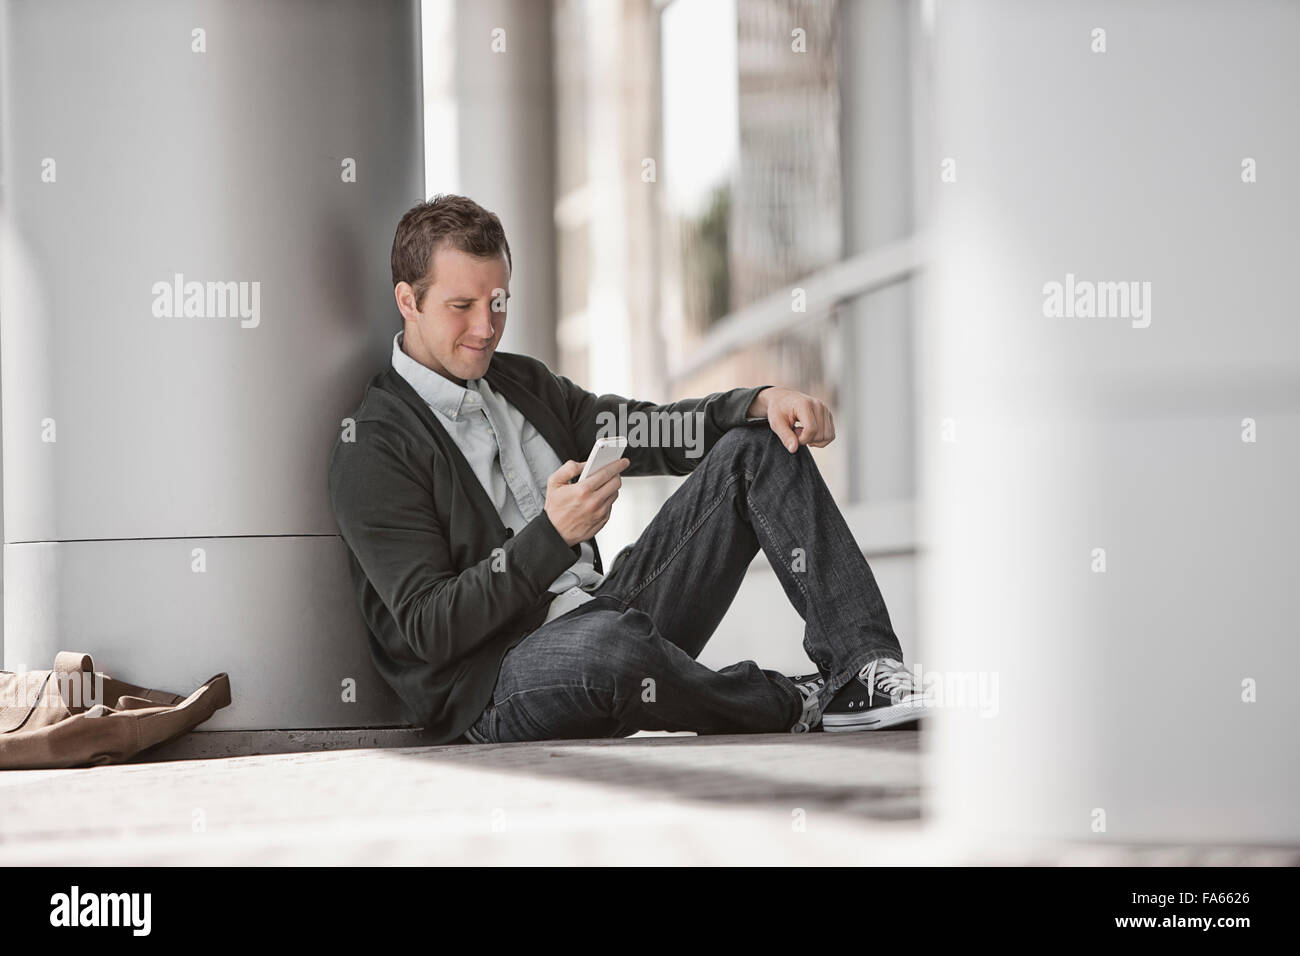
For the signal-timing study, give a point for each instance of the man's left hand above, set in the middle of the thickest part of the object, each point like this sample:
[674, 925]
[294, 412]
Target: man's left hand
[797, 419]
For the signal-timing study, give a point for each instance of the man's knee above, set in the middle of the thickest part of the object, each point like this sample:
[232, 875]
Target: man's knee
[744, 437]
[756, 441]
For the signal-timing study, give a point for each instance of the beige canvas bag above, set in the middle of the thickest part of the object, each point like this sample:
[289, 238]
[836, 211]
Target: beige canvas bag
[73, 716]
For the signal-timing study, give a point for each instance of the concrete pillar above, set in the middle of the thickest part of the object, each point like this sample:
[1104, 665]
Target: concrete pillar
[505, 93]
[876, 175]
[165, 461]
[1110, 497]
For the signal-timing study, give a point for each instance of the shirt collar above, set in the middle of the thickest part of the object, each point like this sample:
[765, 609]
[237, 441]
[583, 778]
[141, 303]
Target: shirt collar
[439, 393]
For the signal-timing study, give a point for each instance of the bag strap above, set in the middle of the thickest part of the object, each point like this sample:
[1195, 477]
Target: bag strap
[73, 662]
[72, 667]
[117, 690]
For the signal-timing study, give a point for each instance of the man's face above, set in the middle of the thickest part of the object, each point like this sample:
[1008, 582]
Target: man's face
[456, 331]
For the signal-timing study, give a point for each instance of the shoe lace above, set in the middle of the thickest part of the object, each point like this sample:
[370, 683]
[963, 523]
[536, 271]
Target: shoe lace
[810, 689]
[811, 686]
[889, 676]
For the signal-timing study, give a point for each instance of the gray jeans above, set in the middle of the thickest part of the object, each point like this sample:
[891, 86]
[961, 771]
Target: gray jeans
[626, 660]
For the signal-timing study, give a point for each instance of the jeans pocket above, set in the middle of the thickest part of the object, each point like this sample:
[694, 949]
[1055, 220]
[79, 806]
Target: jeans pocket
[483, 724]
[618, 558]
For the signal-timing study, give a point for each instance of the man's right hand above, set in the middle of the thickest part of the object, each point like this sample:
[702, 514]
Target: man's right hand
[579, 510]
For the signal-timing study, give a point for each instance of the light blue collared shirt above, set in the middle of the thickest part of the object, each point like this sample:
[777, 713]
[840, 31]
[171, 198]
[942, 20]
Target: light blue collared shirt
[510, 458]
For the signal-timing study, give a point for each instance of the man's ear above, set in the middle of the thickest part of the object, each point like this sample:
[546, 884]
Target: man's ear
[404, 294]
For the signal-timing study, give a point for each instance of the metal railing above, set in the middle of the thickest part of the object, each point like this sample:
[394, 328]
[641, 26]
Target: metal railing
[823, 290]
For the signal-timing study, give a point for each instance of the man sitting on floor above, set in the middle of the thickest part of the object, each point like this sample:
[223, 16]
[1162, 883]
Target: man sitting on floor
[473, 554]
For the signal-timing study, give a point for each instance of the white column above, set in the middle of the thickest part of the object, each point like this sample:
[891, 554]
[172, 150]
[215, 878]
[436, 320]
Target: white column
[1102, 541]
[506, 114]
[165, 462]
[876, 141]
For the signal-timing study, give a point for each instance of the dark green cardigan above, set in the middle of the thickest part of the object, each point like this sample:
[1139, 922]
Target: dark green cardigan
[421, 530]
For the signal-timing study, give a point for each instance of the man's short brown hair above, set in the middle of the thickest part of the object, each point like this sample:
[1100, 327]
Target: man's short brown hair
[456, 221]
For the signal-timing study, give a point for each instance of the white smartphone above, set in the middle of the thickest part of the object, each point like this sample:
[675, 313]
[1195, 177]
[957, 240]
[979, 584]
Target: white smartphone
[604, 452]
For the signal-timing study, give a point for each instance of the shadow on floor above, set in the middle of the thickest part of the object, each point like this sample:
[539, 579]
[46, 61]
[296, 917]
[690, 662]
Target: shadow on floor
[870, 775]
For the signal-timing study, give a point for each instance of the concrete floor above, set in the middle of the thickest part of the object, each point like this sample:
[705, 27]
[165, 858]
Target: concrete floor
[779, 799]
